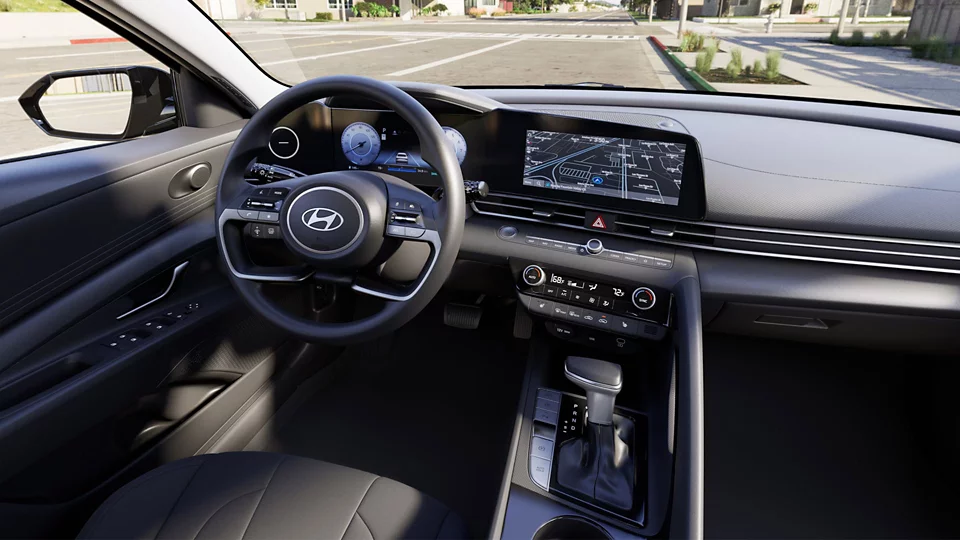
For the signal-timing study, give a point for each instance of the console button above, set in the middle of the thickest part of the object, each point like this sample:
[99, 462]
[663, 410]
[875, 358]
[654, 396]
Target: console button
[631, 258]
[542, 307]
[542, 431]
[563, 293]
[575, 313]
[591, 300]
[549, 290]
[541, 448]
[547, 405]
[604, 320]
[540, 472]
[560, 310]
[589, 317]
[549, 395]
[547, 417]
[605, 304]
[623, 325]
[507, 231]
[578, 296]
[594, 246]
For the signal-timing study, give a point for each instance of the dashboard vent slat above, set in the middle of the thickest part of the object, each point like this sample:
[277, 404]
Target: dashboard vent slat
[829, 247]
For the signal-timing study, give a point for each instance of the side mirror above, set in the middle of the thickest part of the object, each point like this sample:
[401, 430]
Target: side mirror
[102, 104]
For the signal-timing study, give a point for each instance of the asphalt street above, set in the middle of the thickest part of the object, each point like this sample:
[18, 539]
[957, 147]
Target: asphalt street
[605, 47]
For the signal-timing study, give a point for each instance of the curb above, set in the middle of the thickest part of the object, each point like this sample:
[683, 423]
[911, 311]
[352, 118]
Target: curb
[88, 41]
[691, 76]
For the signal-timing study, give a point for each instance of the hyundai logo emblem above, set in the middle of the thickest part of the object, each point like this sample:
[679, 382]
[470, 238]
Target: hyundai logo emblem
[322, 219]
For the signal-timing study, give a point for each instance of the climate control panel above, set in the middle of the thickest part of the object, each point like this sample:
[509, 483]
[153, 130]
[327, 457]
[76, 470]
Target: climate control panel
[618, 308]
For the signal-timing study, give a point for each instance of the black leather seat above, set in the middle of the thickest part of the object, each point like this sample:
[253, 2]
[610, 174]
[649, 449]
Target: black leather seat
[249, 495]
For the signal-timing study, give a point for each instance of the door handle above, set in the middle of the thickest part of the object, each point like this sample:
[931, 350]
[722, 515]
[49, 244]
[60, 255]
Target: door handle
[173, 280]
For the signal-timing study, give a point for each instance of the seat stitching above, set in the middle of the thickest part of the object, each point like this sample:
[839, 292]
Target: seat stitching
[116, 497]
[262, 494]
[222, 506]
[175, 503]
[364, 524]
[442, 522]
[357, 510]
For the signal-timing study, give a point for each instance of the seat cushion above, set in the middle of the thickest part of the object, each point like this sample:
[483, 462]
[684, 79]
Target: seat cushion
[252, 495]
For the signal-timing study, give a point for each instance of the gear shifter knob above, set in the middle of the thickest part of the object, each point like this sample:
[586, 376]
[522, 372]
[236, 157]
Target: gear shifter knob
[601, 381]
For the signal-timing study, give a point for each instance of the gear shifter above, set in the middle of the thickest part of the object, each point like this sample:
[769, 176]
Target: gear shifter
[600, 464]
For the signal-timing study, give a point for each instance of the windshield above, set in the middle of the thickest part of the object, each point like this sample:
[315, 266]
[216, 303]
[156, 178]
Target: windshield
[798, 49]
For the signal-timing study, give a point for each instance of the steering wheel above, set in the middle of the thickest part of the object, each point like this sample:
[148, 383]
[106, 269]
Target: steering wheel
[340, 225]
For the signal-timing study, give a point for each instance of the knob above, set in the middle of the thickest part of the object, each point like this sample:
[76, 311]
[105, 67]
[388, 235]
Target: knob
[594, 246]
[644, 298]
[533, 275]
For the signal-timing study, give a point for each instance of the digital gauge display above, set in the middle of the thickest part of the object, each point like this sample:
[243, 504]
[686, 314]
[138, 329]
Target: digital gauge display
[384, 142]
[360, 143]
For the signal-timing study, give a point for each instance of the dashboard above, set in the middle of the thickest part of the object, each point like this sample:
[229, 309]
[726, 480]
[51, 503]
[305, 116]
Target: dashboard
[539, 156]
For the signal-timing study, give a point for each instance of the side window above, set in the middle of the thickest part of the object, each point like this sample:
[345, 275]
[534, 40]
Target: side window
[67, 82]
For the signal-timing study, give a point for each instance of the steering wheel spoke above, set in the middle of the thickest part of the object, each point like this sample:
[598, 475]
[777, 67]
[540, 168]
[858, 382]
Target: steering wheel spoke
[397, 293]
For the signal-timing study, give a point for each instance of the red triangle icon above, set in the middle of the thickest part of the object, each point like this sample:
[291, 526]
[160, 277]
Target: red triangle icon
[598, 223]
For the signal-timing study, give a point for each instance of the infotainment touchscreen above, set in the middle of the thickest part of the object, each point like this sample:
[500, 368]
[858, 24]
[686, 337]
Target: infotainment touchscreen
[633, 169]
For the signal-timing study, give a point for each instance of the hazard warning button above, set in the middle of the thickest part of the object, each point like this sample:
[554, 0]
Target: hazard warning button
[601, 221]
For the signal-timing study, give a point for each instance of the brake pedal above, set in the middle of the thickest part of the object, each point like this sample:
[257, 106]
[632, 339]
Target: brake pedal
[464, 316]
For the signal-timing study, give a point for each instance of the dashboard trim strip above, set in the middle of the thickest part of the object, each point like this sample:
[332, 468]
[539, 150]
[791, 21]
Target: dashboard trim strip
[740, 251]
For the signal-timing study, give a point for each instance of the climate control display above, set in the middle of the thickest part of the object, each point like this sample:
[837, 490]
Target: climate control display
[605, 305]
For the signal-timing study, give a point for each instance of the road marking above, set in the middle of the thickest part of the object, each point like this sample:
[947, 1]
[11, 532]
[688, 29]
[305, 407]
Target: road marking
[478, 35]
[328, 55]
[591, 19]
[258, 51]
[121, 51]
[450, 59]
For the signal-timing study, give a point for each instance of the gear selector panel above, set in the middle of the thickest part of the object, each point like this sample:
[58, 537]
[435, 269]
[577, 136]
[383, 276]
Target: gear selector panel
[560, 420]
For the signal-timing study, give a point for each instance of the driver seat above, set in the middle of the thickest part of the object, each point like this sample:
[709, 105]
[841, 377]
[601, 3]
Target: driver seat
[250, 495]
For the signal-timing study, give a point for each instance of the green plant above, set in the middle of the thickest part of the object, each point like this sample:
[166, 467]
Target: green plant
[498, 13]
[691, 42]
[476, 13]
[757, 67]
[938, 49]
[323, 16]
[573, 9]
[426, 11]
[772, 69]
[747, 71]
[883, 36]
[6, 5]
[439, 8]
[735, 65]
[808, 8]
[856, 38]
[900, 37]
[704, 60]
[834, 37]
[773, 8]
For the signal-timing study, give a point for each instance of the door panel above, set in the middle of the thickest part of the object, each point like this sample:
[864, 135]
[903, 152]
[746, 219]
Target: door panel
[107, 204]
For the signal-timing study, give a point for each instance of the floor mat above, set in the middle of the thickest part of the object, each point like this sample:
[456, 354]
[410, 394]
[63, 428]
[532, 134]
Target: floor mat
[432, 407]
[806, 441]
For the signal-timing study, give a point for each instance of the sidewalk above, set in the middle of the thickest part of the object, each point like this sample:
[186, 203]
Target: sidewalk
[873, 74]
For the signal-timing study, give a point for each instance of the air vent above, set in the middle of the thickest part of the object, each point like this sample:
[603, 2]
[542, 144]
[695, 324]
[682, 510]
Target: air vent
[568, 215]
[901, 253]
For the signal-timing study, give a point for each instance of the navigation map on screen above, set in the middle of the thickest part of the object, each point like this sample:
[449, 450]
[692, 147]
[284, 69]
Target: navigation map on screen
[648, 171]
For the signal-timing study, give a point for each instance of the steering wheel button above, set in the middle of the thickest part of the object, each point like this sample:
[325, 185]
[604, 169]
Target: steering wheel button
[413, 232]
[249, 214]
[396, 230]
[269, 216]
[397, 204]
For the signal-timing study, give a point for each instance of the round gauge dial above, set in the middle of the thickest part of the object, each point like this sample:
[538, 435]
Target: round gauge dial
[284, 142]
[459, 143]
[360, 143]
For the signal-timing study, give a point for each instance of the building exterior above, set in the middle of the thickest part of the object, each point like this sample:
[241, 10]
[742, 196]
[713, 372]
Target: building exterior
[825, 8]
[936, 18]
[300, 10]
